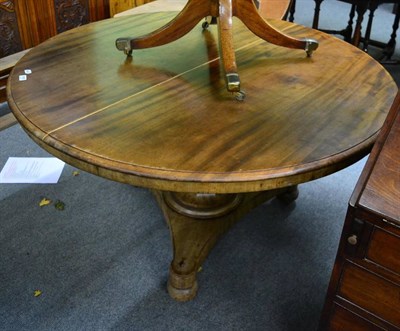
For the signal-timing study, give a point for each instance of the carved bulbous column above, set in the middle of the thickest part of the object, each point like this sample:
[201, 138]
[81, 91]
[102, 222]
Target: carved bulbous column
[196, 222]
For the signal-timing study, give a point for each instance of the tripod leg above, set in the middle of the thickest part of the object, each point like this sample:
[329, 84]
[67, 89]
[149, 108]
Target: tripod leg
[186, 20]
[248, 14]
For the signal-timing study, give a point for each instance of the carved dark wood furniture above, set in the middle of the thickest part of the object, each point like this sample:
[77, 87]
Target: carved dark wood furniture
[364, 292]
[26, 23]
[353, 35]
[164, 120]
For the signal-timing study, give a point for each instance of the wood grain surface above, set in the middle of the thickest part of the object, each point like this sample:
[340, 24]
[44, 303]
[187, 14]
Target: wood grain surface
[381, 194]
[164, 120]
[267, 8]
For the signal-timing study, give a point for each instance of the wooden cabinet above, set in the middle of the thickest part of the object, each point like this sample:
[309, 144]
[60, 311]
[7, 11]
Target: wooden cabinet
[364, 291]
[26, 23]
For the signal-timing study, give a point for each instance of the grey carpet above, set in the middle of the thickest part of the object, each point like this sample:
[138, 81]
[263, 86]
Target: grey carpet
[102, 262]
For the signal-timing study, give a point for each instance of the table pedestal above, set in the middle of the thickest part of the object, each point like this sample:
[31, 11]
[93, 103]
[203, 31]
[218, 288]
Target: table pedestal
[197, 221]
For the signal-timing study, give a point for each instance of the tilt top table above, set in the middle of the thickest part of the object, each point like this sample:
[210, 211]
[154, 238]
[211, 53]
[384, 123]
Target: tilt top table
[164, 120]
[222, 12]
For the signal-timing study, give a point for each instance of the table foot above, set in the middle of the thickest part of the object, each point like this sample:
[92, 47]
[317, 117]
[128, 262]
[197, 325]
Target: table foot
[196, 222]
[182, 287]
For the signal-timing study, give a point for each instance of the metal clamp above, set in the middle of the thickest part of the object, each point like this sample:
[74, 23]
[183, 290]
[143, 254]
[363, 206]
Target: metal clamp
[311, 46]
[124, 44]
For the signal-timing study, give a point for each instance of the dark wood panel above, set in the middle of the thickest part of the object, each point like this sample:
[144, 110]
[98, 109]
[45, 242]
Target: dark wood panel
[99, 10]
[71, 13]
[42, 20]
[371, 292]
[9, 30]
[26, 23]
[384, 249]
[344, 320]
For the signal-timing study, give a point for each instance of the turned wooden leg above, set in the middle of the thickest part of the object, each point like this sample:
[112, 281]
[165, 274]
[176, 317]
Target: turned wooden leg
[360, 9]
[184, 22]
[349, 29]
[248, 14]
[372, 9]
[391, 45]
[292, 11]
[212, 53]
[226, 46]
[196, 221]
[317, 10]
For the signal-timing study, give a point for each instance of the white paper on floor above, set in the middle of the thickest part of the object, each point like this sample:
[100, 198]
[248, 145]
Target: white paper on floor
[37, 170]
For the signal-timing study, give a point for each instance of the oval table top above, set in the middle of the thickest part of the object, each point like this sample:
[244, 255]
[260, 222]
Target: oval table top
[164, 120]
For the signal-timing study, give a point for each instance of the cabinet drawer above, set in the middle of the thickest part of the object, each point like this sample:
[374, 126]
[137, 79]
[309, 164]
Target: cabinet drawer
[342, 319]
[384, 250]
[371, 292]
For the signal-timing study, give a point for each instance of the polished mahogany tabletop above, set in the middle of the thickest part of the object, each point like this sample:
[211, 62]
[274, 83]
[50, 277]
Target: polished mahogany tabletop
[163, 119]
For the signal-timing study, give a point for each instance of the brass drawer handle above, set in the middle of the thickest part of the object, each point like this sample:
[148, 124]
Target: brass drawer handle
[352, 240]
